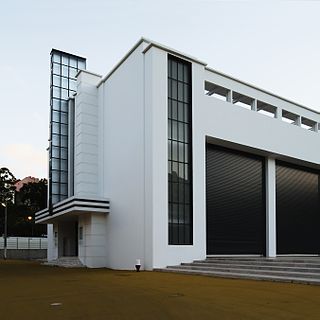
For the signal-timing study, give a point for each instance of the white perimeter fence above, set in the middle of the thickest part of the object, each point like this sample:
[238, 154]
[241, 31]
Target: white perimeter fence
[24, 243]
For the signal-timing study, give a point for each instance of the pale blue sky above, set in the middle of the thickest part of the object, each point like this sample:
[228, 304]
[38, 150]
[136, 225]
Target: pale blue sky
[272, 44]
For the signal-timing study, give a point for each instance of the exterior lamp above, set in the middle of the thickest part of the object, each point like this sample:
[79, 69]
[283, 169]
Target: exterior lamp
[29, 218]
[138, 265]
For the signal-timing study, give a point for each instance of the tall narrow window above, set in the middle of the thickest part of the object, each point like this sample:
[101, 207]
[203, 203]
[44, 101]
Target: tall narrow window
[179, 151]
[64, 67]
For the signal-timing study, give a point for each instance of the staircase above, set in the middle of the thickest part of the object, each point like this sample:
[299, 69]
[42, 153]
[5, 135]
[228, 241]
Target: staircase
[283, 269]
[65, 262]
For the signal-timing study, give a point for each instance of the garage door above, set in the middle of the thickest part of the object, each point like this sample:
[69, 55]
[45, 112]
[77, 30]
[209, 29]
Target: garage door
[298, 210]
[235, 192]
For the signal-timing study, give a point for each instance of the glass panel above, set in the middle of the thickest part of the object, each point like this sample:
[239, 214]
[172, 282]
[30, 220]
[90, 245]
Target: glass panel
[64, 83]
[55, 140]
[56, 92]
[65, 72]
[73, 72]
[55, 164]
[56, 81]
[64, 105]
[56, 104]
[72, 84]
[55, 188]
[63, 177]
[64, 153]
[64, 189]
[56, 69]
[81, 64]
[64, 129]
[64, 141]
[55, 127]
[179, 153]
[64, 94]
[63, 164]
[64, 117]
[65, 60]
[56, 116]
[55, 176]
[56, 57]
[55, 152]
[73, 62]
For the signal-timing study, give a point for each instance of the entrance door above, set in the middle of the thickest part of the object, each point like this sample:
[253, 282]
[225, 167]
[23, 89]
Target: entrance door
[235, 191]
[298, 210]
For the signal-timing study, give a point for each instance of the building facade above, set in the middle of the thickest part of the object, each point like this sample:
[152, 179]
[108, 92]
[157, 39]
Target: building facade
[171, 161]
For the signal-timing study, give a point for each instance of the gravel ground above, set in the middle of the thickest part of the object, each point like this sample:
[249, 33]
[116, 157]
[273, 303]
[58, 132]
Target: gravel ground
[29, 290]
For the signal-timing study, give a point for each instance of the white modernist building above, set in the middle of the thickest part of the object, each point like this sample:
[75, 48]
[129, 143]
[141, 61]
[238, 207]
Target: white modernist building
[167, 161]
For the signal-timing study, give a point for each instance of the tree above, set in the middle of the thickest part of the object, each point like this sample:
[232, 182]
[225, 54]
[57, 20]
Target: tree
[7, 187]
[34, 195]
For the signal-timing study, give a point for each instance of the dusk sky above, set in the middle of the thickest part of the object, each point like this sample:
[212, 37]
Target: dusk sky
[271, 44]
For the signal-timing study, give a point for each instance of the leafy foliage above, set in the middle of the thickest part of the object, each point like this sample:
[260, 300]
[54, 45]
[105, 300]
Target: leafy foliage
[7, 188]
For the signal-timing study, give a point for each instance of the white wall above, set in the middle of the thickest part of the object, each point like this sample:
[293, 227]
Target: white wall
[92, 248]
[122, 118]
[50, 250]
[226, 123]
[86, 157]
[157, 154]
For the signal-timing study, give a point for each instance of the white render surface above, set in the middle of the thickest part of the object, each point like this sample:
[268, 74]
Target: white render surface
[121, 154]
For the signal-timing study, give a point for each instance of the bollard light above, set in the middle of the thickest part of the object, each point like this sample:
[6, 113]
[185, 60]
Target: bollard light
[138, 265]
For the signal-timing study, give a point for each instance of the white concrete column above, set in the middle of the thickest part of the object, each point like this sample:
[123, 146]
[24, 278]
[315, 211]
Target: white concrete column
[279, 113]
[298, 121]
[271, 243]
[230, 96]
[254, 105]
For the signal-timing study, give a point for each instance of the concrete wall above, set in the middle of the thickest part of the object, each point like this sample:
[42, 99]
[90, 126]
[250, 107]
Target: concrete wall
[123, 161]
[86, 142]
[92, 248]
[24, 254]
[223, 123]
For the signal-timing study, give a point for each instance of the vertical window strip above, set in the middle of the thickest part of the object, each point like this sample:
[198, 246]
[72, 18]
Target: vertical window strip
[179, 152]
[59, 92]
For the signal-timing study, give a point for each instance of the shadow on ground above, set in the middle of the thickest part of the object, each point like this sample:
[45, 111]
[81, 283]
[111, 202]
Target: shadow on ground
[29, 290]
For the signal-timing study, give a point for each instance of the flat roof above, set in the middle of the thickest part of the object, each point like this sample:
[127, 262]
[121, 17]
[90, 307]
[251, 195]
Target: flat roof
[53, 50]
[151, 43]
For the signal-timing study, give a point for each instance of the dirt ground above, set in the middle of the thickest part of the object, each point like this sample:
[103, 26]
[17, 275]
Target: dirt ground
[29, 290]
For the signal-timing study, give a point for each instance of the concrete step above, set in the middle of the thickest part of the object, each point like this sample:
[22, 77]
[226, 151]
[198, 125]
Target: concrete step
[248, 276]
[288, 269]
[291, 274]
[309, 261]
[276, 267]
[65, 262]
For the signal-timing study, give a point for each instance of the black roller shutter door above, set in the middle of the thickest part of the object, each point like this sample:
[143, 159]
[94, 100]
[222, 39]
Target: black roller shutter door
[235, 192]
[298, 210]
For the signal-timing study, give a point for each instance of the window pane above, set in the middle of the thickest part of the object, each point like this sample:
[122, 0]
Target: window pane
[64, 83]
[56, 92]
[56, 81]
[64, 106]
[73, 63]
[73, 72]
[65, 72]
[56, 116]
[64, 94]
[64, 153]
[81, 64]
[65, 60]
[73, 85]
[64, 117]
[56, 57]
[56, 104]
[56, 69]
